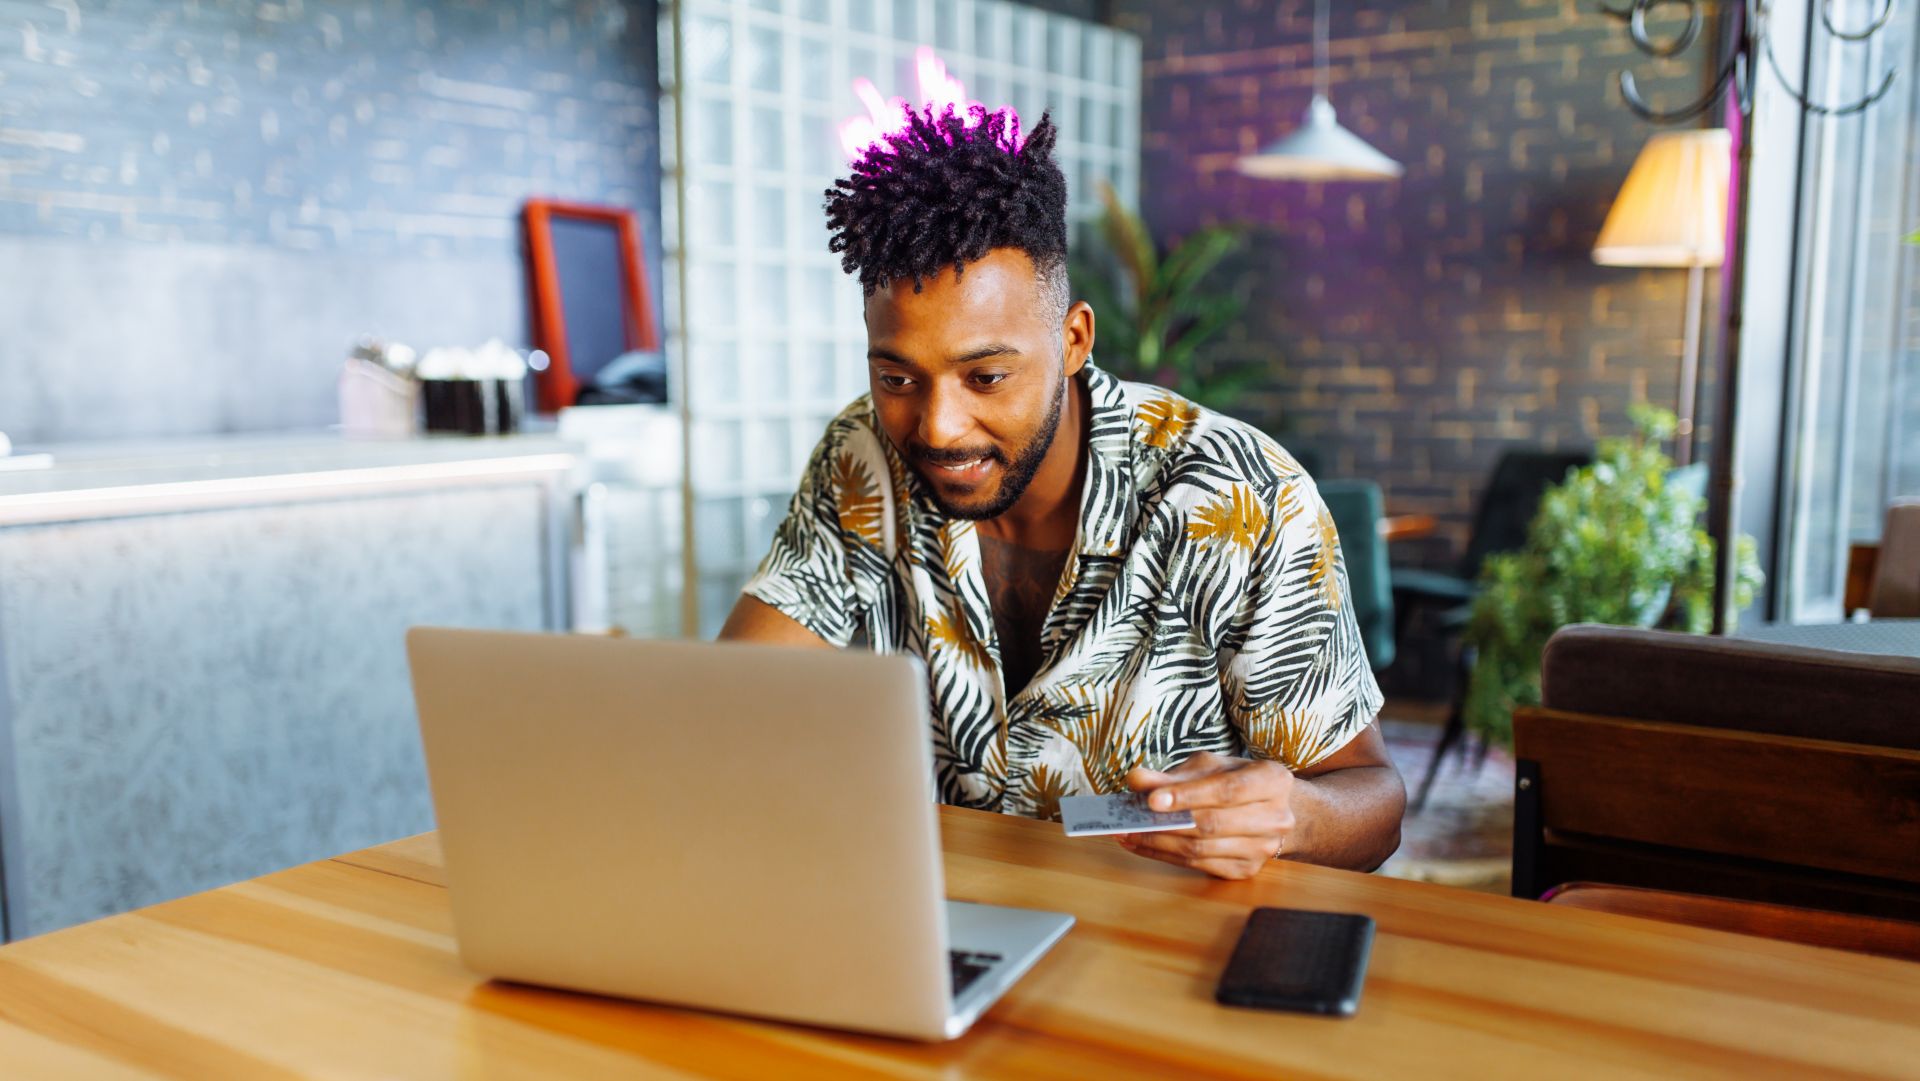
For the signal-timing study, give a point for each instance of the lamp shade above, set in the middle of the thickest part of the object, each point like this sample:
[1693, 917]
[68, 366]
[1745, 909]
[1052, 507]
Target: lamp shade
[1672, 210]
[1320, 149]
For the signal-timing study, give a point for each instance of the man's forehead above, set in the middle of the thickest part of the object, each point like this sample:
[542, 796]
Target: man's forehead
[1001, 286]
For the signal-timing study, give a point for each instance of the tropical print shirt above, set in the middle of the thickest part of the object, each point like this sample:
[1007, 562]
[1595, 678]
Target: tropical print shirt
[1203, 607]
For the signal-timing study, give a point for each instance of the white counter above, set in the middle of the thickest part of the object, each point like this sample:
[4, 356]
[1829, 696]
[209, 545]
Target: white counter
[108, 479]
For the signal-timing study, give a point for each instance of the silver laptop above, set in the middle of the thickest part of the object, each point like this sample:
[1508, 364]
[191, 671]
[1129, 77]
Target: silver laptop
[723, 826]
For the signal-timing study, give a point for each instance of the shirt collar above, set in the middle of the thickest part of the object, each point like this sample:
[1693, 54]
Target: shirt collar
[1107, 501]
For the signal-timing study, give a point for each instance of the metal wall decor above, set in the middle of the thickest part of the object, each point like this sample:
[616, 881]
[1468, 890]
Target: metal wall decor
[1739, 66]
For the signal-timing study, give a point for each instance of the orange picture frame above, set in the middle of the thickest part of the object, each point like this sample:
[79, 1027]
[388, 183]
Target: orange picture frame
[558, 385]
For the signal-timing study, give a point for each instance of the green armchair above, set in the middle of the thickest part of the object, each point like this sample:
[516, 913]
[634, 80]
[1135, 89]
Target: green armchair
[1357, 508]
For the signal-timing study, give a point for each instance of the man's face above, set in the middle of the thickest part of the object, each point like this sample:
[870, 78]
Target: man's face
[968, 379]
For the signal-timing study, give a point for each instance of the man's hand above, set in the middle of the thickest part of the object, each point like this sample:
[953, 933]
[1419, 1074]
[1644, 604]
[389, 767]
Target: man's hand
[1242, 813]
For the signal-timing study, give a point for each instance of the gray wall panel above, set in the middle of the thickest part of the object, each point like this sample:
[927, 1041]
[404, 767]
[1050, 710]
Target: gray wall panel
[200, 698]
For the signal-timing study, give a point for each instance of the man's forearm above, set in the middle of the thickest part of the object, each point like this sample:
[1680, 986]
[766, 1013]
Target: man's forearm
[1347, 817]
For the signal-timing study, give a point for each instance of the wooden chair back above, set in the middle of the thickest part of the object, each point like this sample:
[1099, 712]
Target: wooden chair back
[1896, 570]
[1771, 818]
[1862, 561]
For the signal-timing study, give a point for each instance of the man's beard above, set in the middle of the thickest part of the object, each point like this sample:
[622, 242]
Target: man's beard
[1019, 473]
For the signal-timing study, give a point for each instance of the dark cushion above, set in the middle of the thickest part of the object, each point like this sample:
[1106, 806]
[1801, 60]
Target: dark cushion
[1733, 683]
[1437, 586]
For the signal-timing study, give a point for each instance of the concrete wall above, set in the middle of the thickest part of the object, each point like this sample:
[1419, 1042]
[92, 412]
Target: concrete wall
[203, 203]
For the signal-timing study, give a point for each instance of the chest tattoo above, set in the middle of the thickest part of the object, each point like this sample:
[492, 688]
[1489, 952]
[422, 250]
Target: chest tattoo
[1021, 583]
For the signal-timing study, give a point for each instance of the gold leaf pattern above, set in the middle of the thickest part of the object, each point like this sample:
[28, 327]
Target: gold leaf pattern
[858, 499]
[1291, 737]
[995, 763]
[1283, 463]
[1069, 577]
[945, 631]
[1110, 739]
[1287, 506]
[1163, 418]
[1045, 788]
[1234, 518]
[953, 555]
[1325, 560]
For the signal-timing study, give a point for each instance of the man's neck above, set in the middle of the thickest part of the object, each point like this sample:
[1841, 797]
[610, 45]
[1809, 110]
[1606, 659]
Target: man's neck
[1047, 514]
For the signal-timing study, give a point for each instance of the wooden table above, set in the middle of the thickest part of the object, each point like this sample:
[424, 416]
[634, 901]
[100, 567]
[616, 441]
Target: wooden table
[345, 969]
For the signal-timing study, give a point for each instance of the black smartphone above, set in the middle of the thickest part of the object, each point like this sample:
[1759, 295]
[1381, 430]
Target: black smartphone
[1304, 962]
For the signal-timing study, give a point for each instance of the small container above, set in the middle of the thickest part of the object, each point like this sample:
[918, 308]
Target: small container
[474, 406]
[377, 401]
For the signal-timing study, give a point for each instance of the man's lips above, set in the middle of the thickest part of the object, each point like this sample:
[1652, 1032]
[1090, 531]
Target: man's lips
[966, 472]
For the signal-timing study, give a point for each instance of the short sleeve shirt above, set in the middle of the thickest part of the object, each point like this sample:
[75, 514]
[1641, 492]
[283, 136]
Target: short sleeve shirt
[1203, 607]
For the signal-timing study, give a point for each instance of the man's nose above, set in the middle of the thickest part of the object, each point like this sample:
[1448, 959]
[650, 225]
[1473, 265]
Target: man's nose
[945, 420]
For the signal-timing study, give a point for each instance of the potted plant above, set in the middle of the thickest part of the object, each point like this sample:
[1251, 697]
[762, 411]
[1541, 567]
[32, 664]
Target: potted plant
[1616, 542]
[1156, 310]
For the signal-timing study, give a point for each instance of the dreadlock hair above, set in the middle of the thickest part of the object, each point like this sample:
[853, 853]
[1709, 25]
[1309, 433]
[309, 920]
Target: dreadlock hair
[945, 190]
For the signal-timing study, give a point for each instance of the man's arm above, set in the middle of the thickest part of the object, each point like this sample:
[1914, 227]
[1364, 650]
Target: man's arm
[1348, 806]
[754, 620]
[1343, 811]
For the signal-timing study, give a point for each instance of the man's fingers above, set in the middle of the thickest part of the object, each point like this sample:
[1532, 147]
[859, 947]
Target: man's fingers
[1140, 777]
[1192, 846]
[1199, 765]
[1227, 867]
[1155, 854]
[1234, 870]
[1244, 820]
[1225, 788]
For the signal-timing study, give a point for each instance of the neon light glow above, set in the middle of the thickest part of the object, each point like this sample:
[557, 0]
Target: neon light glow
[939, 92]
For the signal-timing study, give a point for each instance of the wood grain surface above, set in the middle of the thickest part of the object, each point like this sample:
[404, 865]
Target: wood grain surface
[346, 968]
[1837, 930]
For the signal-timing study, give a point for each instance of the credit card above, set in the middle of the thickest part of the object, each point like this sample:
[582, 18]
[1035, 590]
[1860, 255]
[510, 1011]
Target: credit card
[1122, 812]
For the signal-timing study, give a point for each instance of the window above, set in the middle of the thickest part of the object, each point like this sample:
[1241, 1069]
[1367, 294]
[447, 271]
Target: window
[1853, 415]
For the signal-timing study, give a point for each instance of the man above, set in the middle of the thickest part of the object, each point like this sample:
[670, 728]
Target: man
[1112, 588]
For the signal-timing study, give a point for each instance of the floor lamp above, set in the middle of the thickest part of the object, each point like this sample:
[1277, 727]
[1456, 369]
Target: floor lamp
[1672, 212]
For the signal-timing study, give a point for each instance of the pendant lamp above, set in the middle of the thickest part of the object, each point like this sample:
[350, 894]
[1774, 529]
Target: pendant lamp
[1320, 149]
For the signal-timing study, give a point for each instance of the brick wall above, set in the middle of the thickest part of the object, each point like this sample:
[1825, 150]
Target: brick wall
[1415, 328]
[204, 202]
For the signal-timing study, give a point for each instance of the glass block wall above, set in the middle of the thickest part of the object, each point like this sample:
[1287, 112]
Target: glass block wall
[765, 325]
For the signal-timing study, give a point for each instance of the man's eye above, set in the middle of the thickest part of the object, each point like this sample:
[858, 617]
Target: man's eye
[987, 379]
[895, 382]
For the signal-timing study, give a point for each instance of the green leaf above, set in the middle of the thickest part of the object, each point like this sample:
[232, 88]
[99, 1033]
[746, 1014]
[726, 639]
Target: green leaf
[1616, 542]
[1192, 260]
[1214, 316]
[1132, 246]
[1222, 390]
[1155, 317]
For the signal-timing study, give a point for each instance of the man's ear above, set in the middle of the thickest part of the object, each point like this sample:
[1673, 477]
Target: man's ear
[1077, 333]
